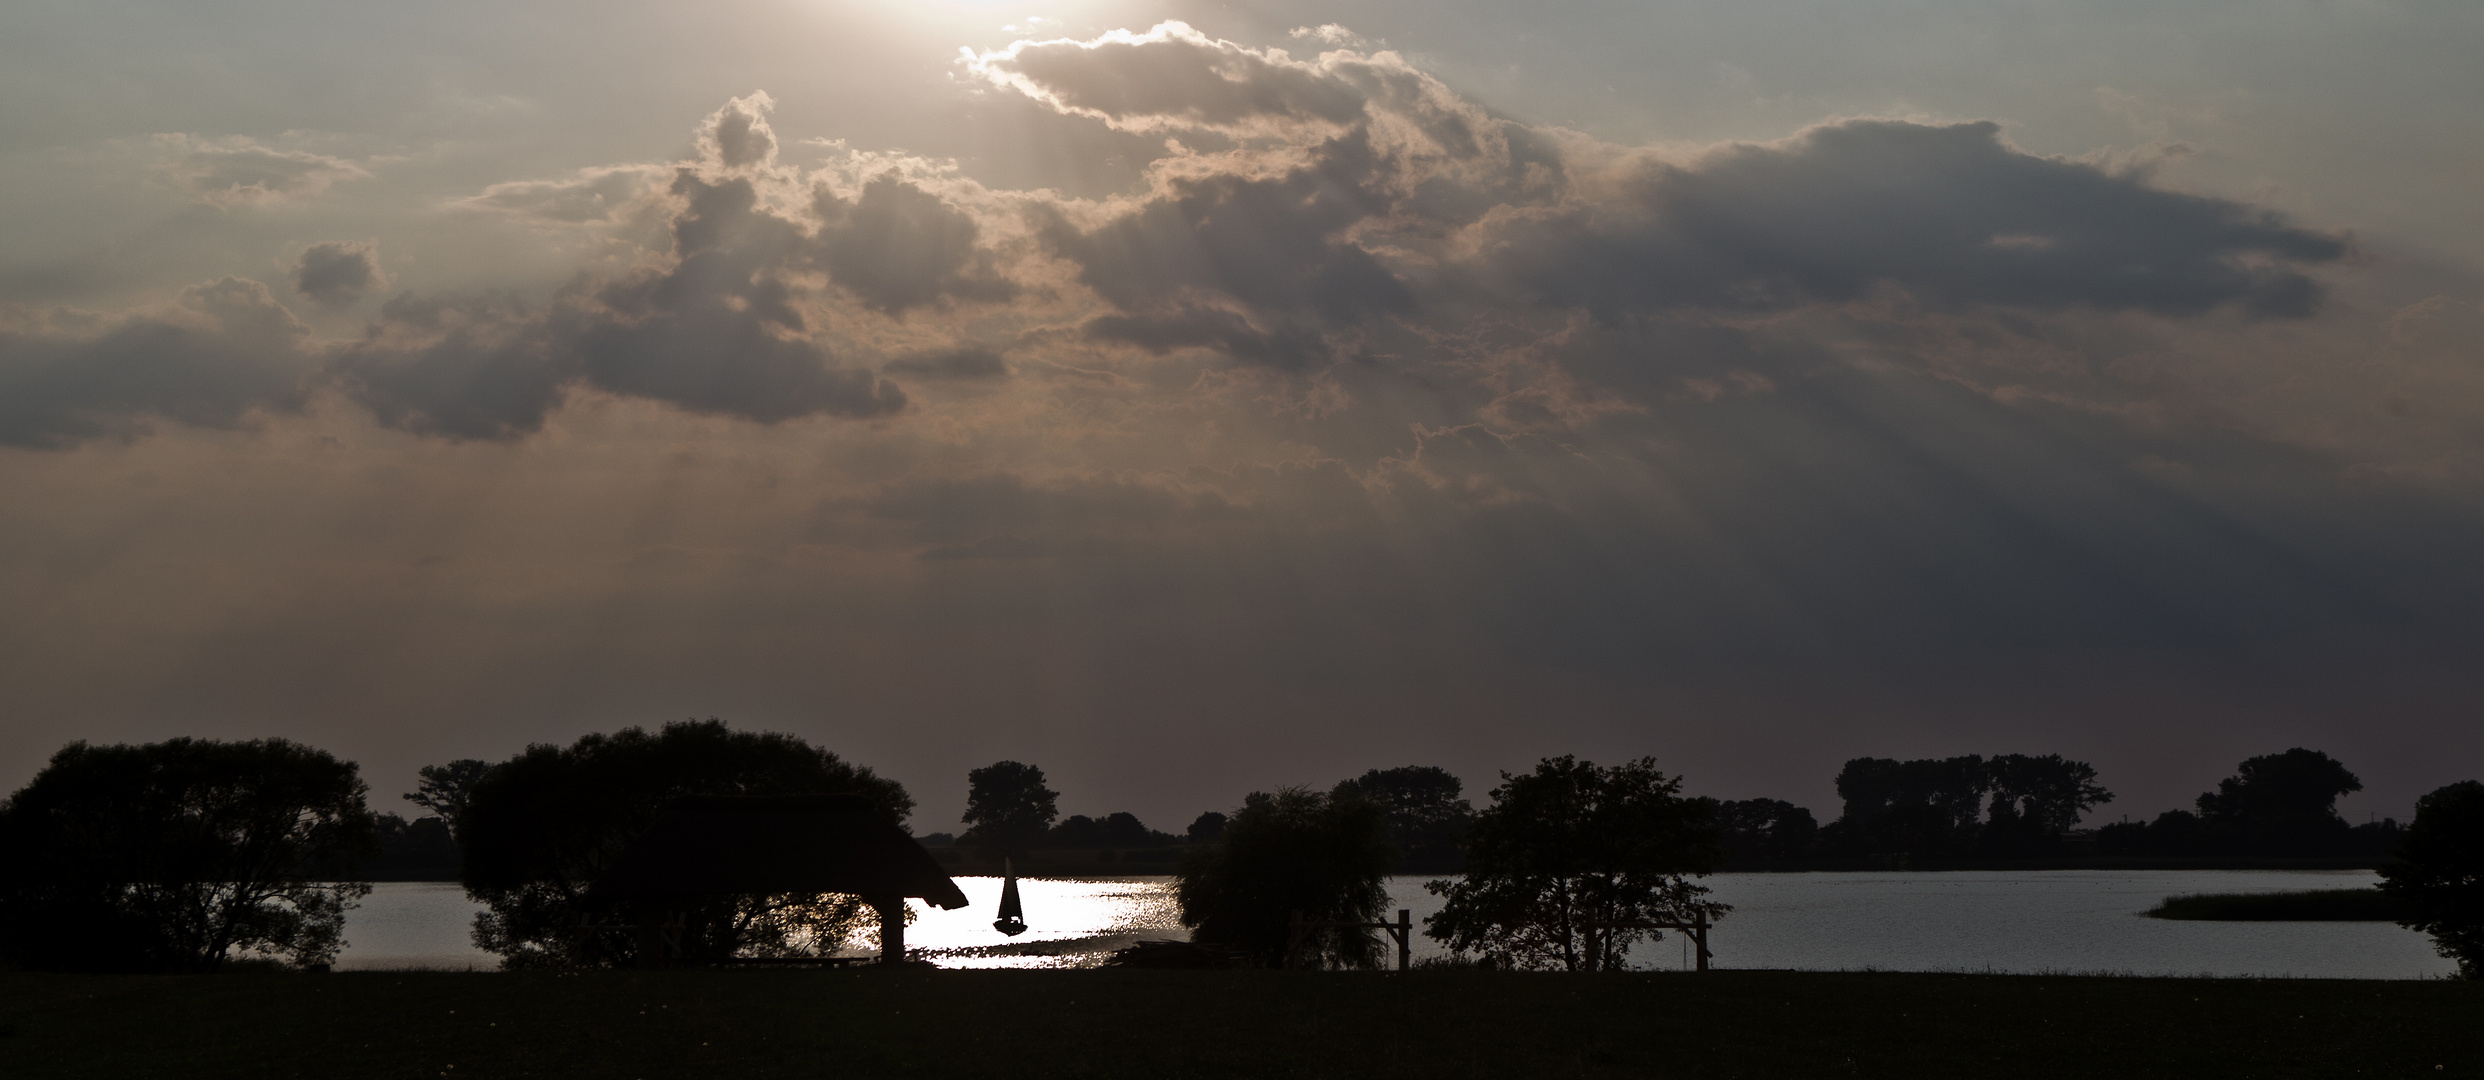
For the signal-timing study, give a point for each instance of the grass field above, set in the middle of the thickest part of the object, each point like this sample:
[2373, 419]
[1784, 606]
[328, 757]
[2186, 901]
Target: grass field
[1165, 1025]
[2321, 905]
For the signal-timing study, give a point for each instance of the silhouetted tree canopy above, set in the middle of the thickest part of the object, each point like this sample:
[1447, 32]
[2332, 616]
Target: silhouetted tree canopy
[179, 855]
[1960, 807]
[538, 829]
[2274, 806]
[1427, 816]
[1120, 830]
[1008, 809]
[1325, 856]
[1206, 828]
[1765, 830]
[2281, 803]
[2440, 873]
[417, 850]
[442, 789]
[1566, 852]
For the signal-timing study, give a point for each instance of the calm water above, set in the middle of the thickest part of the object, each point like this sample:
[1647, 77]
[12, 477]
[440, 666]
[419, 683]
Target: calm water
[2071, 920]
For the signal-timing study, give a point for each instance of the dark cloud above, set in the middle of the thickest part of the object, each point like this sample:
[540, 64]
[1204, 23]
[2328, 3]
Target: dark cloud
[1949, 214]
[897, 246]
[338, 273]
[228, 350]
[738, 136]
[718, 331]
[472, 368]
[966, 363]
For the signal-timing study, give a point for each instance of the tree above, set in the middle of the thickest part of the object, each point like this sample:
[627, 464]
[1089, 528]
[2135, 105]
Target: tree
[1928, 807]
[1427, 816]
[417, 850]
[1008, 808]
[2440, 873]
[2035, 800]
[1325, 857]
[1206, 828]
[538, 829]
[1765, 830]
[2280, 804]
[443, 788]
[179, 855]
[1948, 808]
[1566, 853]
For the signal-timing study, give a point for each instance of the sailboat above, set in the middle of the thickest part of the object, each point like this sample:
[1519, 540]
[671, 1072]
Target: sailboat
[1012, 919]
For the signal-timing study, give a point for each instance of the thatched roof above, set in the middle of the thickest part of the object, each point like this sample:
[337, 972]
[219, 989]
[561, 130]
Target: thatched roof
[705, 845]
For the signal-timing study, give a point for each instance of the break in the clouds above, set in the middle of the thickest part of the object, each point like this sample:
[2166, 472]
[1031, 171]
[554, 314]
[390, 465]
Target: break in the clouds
[1362, 400]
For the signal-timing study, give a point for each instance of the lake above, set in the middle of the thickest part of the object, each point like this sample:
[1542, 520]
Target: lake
[2050, 921]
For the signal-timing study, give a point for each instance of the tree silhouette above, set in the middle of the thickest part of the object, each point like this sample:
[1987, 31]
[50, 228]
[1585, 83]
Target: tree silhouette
[443, 788]
[1297, 851]
[2440, 873]
[539, 827]
[1570, 851]
[178, 855]
[1770, 830]
[1008, 808]
[1427, 816]
[1206, 828]
[2280, 804]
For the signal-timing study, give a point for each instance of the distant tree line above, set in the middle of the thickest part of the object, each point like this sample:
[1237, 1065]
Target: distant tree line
[1963, 810]
[1011, 813]
[192, 854]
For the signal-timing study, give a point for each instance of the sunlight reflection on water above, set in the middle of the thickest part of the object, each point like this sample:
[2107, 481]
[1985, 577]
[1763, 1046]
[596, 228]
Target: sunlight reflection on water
[1071, 922]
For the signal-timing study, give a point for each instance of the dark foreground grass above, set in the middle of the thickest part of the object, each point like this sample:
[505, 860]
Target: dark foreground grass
[1174, 1024]
[2320, 905]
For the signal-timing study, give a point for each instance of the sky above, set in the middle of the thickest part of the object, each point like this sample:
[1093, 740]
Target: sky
[1196, 398]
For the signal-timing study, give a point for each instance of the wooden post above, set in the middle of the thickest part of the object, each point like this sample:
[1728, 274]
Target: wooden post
[1405, 938]
[892, 911]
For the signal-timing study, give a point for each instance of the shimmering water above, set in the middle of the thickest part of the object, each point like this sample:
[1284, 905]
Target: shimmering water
[2075, 921]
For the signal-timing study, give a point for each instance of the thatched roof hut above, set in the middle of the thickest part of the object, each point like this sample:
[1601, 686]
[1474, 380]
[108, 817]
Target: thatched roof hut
[711, 845]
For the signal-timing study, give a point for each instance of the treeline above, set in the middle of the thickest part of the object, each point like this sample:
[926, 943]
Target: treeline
[187, 854]
[2015, 808]
[1012, 813]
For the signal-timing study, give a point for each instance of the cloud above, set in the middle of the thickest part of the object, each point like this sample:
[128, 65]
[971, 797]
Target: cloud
[338, 273]
[1949, 214]
[1172, 77]
[897, 246]
[601, 194]
[1327, 34]
[737, 136]
[482, 367]
[970, 363]
[719, 330]
[226, 350]
[240, 172]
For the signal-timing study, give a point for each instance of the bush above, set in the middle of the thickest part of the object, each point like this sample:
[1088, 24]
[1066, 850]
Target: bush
[1297, 851]
[178, 855]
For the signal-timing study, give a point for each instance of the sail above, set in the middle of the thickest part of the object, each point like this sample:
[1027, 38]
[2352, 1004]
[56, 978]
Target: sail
[1012, 919]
